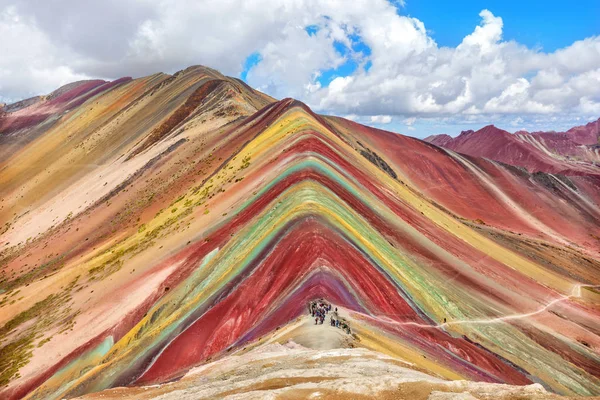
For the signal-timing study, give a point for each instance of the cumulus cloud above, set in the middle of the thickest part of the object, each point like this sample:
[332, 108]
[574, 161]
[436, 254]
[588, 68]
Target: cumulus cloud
[30, 63]
[381, 119]
[483, 75]
[400, 73]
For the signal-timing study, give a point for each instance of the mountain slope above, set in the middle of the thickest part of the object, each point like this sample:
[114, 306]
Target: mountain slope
[183, 218]
[574, 152]
[586, 134]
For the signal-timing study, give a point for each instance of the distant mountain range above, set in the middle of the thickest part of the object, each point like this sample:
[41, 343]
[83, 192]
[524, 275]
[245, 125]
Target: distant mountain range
[576, 151]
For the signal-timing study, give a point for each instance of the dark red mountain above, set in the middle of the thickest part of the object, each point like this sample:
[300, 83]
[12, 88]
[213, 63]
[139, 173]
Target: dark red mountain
[573, 152]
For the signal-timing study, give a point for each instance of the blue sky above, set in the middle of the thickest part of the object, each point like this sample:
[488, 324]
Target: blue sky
[550, 24]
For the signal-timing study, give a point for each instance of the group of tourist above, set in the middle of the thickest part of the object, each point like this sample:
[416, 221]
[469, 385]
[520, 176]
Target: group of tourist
[319, 309]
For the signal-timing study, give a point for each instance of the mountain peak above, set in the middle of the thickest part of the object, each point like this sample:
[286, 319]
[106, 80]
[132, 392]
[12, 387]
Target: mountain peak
[438, 140]
[492, 130]
[466, 132]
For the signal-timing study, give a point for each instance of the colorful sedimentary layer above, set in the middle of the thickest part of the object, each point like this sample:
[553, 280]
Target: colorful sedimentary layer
[575, 152]
[171, 220]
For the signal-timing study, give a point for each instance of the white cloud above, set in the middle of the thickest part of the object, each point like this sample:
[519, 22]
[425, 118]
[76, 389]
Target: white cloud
[547, 79]
[381, 119]
[485, 36]
[483, 79]
[30, 63]
[517, 121]
[482, 76]
[516, 97]
[588, 106]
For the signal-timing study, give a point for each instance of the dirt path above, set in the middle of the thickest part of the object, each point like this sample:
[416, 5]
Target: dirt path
[320, 337]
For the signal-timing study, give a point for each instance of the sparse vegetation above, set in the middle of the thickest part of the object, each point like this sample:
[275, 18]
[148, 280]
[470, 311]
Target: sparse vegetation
[52, 312]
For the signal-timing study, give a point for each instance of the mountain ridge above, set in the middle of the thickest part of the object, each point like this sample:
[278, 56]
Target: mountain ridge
[572, 152]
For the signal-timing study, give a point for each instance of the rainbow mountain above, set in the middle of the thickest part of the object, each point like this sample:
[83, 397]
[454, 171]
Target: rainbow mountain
[159, 229]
